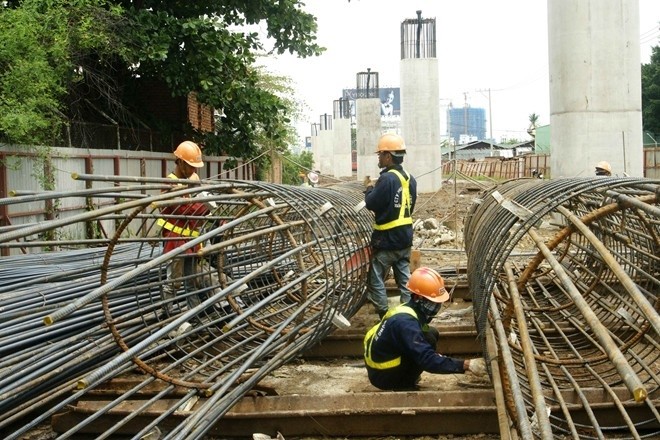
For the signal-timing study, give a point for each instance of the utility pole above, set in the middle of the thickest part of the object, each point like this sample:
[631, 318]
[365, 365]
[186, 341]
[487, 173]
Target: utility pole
[465, 115]
[490, 123]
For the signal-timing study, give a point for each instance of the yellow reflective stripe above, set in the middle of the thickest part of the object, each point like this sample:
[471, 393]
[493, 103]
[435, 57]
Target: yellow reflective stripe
[406, 203]
[400, 309]
[369, 338]
[186, 232]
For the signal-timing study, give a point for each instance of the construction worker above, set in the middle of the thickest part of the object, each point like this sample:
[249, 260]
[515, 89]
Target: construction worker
[311, 179]
[392, 201]
[178, 229]
[402, 345]
[603, 168]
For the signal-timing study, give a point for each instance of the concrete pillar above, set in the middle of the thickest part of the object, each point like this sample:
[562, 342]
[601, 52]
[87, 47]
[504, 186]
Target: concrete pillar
[316, 152]
[367, 114]
[595, 87]
[420, 122]
[326, 156]
[342, 160]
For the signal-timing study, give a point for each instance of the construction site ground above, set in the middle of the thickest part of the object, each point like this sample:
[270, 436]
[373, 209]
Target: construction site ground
[449, 206]
[325, 378]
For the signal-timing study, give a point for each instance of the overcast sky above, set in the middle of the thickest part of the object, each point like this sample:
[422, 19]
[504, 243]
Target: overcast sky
[481, 45]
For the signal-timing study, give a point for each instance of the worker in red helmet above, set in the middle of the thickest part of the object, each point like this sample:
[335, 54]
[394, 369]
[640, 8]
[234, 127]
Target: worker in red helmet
[402, 345]
[180, 224]
[392, 200]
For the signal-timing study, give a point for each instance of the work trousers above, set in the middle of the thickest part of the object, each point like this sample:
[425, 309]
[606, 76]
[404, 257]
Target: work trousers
[381, 263]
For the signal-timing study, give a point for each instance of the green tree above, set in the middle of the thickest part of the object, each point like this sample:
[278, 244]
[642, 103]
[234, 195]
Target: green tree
[38, 58]
[295, 165]
[651, 92]
[203, 46]
[512, 141]
[533, 123]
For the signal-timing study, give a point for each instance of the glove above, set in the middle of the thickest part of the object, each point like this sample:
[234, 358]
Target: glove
[477, 366]
[211, 205]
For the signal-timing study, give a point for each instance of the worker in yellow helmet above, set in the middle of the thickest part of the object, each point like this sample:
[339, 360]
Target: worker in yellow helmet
[603, 168]
[403, 345]
[180, 224]
[392, 200]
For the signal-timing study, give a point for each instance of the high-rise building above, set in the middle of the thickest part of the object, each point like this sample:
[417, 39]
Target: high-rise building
[466, 122]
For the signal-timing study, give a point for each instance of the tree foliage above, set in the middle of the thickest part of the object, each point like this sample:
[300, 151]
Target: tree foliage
[41, 44]
[295, 166]
[94, 52]
[651, 92]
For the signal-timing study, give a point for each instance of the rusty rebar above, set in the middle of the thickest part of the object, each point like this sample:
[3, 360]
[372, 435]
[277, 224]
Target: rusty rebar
[583, 309]
[275, 269]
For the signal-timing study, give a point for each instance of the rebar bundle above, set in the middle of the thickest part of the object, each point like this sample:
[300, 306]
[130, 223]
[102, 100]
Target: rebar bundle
[576, 326]
[254, 274]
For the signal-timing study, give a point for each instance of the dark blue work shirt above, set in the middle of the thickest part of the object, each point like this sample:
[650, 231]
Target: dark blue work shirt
[381, 199]
[401, 336]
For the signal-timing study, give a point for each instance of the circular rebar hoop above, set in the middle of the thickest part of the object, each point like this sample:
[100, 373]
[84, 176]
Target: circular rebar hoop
[581, 317]
[264, 250]
[270, 272]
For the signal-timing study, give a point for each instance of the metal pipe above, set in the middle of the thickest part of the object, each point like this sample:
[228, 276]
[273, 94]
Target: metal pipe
[642, 302]
[589, 294]
[530, 361]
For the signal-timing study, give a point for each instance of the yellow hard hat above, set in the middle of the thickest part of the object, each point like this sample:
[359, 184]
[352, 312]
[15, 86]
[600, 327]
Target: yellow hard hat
[604, 166]
[190, 153]
[392, 143]
[428, 283]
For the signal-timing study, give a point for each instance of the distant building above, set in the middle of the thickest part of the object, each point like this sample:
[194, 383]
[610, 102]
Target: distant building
[466, 121]
[476, 150]
[522, 148]
[542, 140]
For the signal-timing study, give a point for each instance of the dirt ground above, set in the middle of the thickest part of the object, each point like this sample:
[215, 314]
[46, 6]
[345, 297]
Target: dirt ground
[449, 206]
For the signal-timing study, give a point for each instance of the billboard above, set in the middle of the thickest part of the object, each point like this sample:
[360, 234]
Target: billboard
[390, 101]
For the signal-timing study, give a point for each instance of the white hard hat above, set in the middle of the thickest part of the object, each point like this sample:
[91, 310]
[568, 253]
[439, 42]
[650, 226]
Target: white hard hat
[313, 177]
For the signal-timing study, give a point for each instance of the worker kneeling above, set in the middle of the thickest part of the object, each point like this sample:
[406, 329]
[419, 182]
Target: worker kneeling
[402, 345]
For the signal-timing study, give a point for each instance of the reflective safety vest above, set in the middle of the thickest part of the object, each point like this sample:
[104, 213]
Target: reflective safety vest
[369, 339]
[184, 232]
[406, 203]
